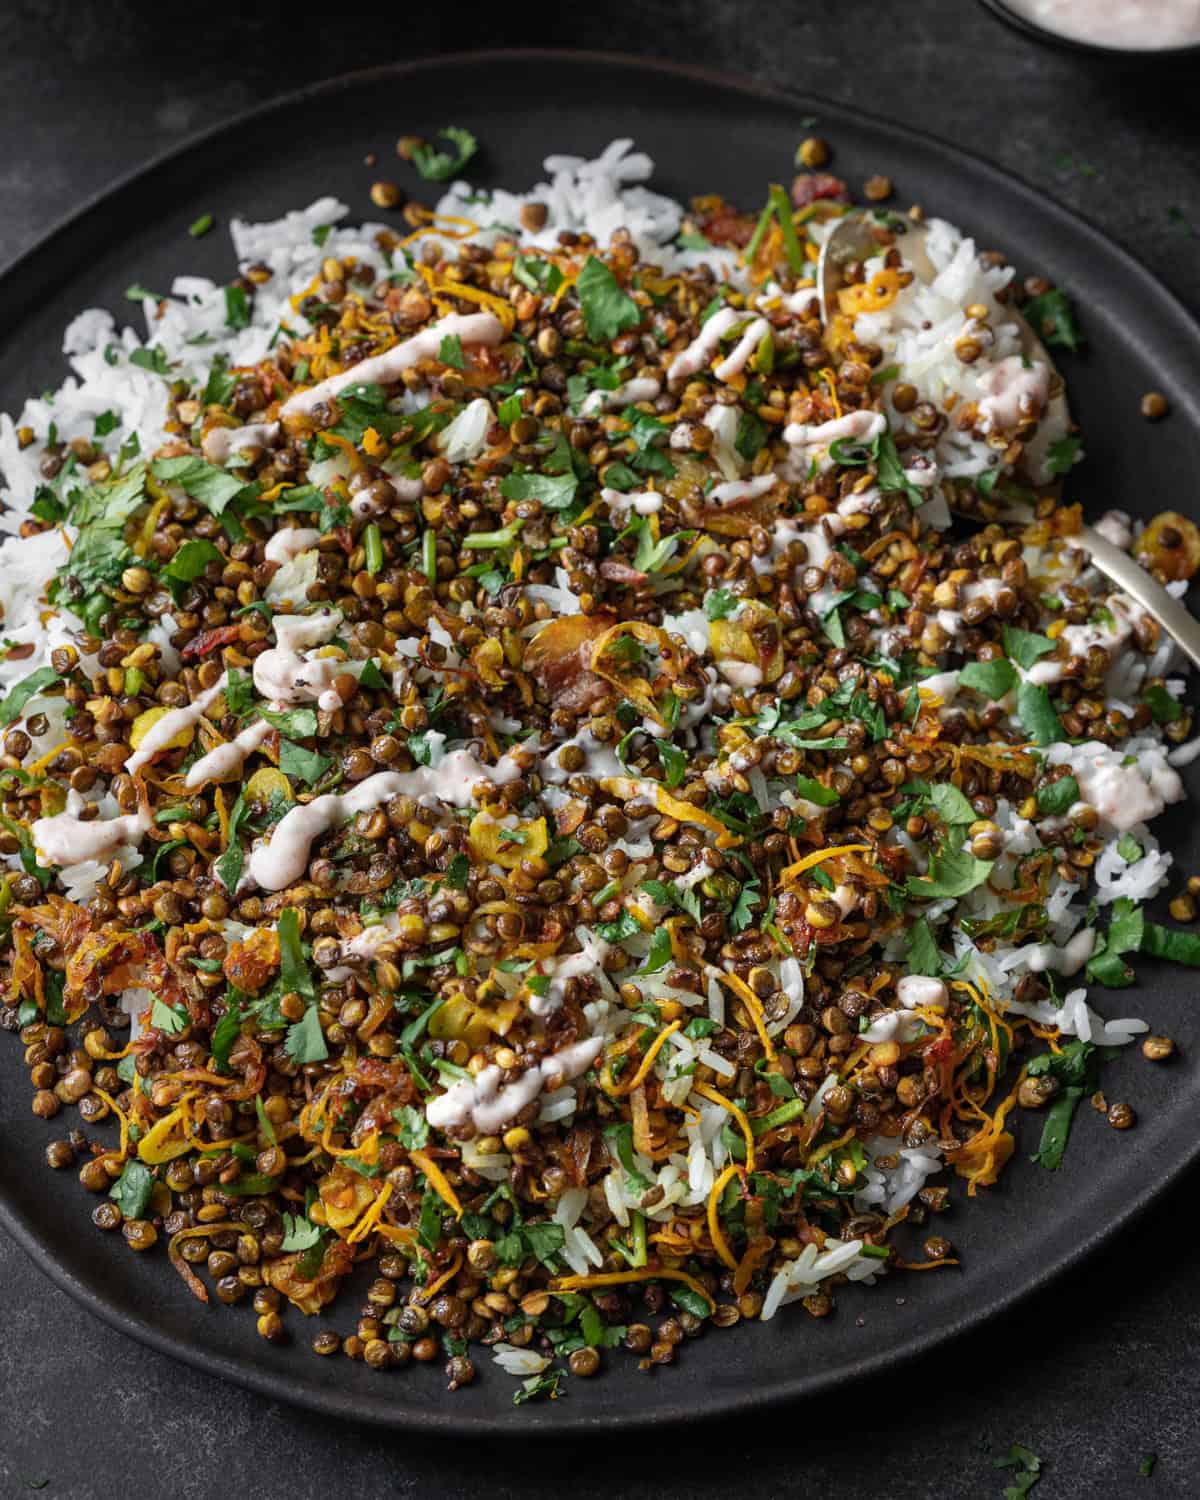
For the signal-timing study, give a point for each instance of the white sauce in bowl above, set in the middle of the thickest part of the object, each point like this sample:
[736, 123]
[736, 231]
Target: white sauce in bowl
[1130, 25]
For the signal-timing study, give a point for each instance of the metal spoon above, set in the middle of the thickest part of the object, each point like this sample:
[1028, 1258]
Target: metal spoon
[852, 240]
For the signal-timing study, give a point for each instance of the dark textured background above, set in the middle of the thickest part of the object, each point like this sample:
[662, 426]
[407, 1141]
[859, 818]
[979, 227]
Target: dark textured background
[1093, 1375]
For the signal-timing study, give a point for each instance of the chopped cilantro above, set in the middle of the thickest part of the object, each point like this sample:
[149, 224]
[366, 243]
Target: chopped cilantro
[1053, 319]
[131, 1191]
[719, 604]
[204, 482]
[1036, 713]
[607, 308]
[991, 678]
[29, 687]
[441, 166]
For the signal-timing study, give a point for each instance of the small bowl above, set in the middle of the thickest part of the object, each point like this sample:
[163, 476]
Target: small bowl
[1128, 55]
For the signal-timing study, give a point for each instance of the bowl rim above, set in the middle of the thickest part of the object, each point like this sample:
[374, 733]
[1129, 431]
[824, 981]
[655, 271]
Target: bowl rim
[1036, 32]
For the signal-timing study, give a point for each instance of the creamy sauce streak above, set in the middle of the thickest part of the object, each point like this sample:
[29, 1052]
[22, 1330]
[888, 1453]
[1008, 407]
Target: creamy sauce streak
[388, 367]
[66, 840]
[226, 761]
[861, 426]
[284, 675]
[485, 1104]
[283, 860]
[743, 489]
[735, 362]
[641, 388]
[571, 966]
[221, 442]
[645, 502]
[695, 357]
[174, 722]
[1014, 394]
[1121, 794]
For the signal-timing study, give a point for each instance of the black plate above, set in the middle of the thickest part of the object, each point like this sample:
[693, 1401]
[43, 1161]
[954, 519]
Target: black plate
[707, 133]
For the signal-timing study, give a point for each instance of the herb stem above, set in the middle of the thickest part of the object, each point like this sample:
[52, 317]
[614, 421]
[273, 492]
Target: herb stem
[373, 544]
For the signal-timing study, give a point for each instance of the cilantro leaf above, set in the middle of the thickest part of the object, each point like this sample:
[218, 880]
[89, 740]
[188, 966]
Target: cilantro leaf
[20, 694]
[1126, 930]
[1056, 797]
[308, 765]
[131, 1191]
[293, 970]
[1027, 1466]
[950, 804]
[556, 492]
[951, 873]
[1036, 713]
[537, 275]
[299, 1232]
[441, 166]
[414, 1128]
[1165, 708]
[607, 308]
[1062, 456]
[659, 955]
[991, 678]
[450, 352]
[1024, 646]
[816, 792]
[674, 763]
[204, 482]
[719, 604]
[305, 1041]
[923, 955]
[1166, 942]
[1057, 1130]
[1052, 318]
[192, 559]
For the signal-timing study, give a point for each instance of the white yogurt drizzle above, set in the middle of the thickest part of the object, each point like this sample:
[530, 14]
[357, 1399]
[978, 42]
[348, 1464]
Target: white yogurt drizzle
[284, 675]
[735, 362]
[65, 839]
[220, 442]
[695, 357]
[743, 489]
[1015, 394]
[569, 966]
[1122, 795]
[640, 388]
[226, 761]
[388, 367]
[482, 1101]
[174, 722]
[862, 426]
[284, 545]
[645, 502]
[283, 860]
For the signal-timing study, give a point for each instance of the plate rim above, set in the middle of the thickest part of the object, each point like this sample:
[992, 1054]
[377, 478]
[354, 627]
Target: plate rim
[442, 1419]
